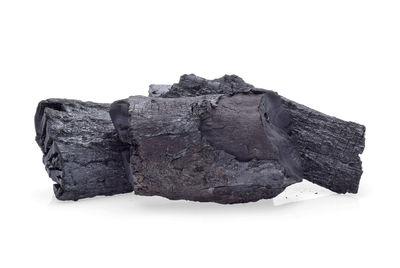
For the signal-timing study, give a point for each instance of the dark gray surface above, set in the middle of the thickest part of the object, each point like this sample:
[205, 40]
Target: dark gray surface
[209, 148]
[81, 149]
[191, 85]
[329, 147]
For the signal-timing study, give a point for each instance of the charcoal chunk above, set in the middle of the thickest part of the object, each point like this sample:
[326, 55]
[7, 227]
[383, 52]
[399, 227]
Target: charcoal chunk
[220, 140]
[81, 149]
[329, 147]
[220, 148]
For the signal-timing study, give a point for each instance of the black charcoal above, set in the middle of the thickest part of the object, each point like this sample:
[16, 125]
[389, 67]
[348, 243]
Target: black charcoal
[220, 140]
[191, 85]
[81, 149]
[220, 148]
[329, 147]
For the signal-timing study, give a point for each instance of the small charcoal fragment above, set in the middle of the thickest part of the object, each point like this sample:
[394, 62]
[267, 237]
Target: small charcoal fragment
[157, 90]
[81, 149]
[220, 148]
[329, 148]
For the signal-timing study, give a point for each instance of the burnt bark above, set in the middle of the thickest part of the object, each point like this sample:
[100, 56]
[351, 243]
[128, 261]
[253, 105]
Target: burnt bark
[329, 147]
[81, 149]
[192, 85]
[220, 148]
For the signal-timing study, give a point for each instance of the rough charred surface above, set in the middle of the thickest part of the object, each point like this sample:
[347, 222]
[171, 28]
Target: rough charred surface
[329, 148]
[82, 151]
[224, 149]
[191, 85]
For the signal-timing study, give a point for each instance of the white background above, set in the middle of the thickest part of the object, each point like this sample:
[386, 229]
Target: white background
[339, 57]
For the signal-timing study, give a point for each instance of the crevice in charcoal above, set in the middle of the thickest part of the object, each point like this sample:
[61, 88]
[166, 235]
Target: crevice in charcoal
[53, 164]
[40, 112]
[119, 113]
[58, 190]
[42, 137]
[126, 155]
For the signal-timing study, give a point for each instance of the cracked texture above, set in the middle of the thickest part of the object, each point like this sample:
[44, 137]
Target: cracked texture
[81, 149]
[209, 148]
[329, 147]
[226, 141]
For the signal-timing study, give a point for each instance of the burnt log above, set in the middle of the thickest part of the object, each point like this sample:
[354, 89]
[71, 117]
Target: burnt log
[81, 149]
[329, 147]
[220, 148]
